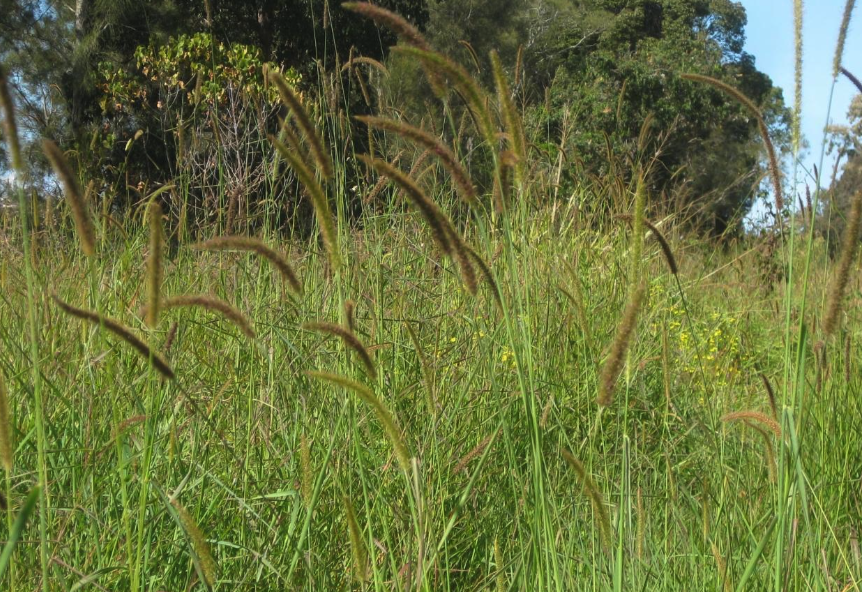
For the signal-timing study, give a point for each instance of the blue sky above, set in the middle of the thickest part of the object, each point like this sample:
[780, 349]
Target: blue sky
[770, 40]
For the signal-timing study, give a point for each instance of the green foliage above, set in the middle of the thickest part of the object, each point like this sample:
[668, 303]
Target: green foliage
[194, 73]
[616, 64]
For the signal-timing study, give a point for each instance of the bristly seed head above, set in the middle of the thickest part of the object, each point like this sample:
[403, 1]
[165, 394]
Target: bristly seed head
[83, 221]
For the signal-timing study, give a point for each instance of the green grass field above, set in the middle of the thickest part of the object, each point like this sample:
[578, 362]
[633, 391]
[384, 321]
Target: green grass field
[486, 402]
[385, 429]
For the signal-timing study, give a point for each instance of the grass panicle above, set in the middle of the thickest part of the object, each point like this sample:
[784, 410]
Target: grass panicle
[441, 227]
[770, 394]
[487, 276]
[357, 544]
[74, 196]
[669, 257]
[616, 359]
[498, 563]
[212, 304]
[722, 567]
[394, 22]
[257, 246]
[120, 331]
[10, 125]
[774, 169]
[291, 101]
[442, 230]
[350, 340]
[755, 416]
[6, 428]
[514, 127]
[170, 337]
[595, 496]
[797, 74]
[322, 211]
[198, 544]
[838, 287]
[842, 37]
[436, 146]
[382, 182]
[464, 83]
[856, 82]
[154, 265]
[384, 416]
[473, 55]
[350, 314]
[638, 232]
[474, 453]
[366, 61]
[427, 371]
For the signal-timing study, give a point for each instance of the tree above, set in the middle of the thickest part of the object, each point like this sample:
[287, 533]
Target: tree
[616, 64]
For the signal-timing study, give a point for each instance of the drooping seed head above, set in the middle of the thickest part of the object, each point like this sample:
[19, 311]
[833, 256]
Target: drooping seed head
[74, 197]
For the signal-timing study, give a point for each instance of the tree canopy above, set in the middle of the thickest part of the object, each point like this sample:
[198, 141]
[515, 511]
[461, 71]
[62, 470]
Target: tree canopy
[597, 79]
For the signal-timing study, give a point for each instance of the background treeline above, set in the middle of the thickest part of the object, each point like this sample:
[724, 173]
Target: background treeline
[147, 93]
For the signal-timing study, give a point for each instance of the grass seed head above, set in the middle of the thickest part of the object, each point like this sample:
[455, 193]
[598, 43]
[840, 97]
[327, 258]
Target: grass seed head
[213, 304]
[357, 544]
[198, 543]
[289, 98]
[350, 340]
[120, 331]
[614, 364]
[756, 416]
[74, 196]
[254, 245]
[10, 126]
[595, 497]
[384, 416]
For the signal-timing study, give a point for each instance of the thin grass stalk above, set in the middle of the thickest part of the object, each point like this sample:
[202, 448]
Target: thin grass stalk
[7, 110]
[307, 485]
[384, 416]
[6, 429]
[498, 563]
[120, 331]
[154, 265]
[427, 372]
